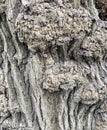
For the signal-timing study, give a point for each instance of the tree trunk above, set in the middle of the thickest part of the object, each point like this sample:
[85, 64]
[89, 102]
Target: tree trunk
[53, 65]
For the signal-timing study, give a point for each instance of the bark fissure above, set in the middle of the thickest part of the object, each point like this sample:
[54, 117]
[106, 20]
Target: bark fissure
[68, 104]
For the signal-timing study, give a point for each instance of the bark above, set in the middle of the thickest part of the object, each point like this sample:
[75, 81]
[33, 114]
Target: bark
[53, 65]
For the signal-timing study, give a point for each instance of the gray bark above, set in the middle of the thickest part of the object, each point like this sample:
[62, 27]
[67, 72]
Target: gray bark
[53, 65]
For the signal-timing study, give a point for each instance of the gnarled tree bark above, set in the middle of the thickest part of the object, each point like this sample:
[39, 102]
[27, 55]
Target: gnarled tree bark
[53, 65]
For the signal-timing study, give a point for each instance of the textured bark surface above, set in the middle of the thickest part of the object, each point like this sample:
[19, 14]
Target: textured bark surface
[53, 65]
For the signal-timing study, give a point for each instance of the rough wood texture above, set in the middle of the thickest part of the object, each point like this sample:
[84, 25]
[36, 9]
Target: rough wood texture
[53, 65]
